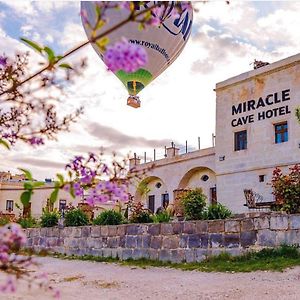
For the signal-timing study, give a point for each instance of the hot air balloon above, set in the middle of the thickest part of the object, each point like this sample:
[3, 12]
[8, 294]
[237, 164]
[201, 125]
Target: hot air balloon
[162, 43]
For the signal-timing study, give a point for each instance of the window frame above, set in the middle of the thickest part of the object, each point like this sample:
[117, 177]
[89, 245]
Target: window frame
[282, 133]
[237, 143]
[7, 206]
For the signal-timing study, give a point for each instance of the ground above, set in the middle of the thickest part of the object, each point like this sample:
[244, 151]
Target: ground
[82, 280]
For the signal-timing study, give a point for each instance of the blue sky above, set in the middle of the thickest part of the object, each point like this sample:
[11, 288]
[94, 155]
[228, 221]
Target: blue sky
[225, 41]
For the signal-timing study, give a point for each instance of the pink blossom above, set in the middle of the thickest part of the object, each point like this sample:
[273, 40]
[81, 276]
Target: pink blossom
[125, 56]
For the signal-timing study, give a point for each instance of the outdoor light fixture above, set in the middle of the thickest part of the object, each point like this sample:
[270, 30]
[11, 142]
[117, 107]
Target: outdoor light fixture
[221, 158]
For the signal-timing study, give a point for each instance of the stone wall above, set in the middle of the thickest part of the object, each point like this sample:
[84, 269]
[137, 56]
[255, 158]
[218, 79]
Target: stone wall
[176, 242]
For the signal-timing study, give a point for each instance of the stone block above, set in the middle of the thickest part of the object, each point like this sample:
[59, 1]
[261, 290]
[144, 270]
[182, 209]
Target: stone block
[96, 252]
[156, 242]
[232, 226]
[76, 232]
[126, 254]
[96, 231]
[104, 230]
[164, 255]
[247, 225]
[266, 237]
[166, 229]
[113, 242]
[153, 254]
[86, 231]
[279, 222]
[216, 240]
[82, 243]
[104, 241]
[193, 241]
[122, 241]
[136, 229]
[43, 231]
[200, 254]
[130, 241]
[177, 227]
[248, 238]
[139, 241]
[177, 256]
[106, 252]
[140, 253]
[34, 232]
[295, 222]
[216, 226]
[114, 253]
[204, 240]
[189, 227]
[146, 239]
[112, 230]
[234, 251]
[189, 255]
[262, 223]
[201, 226]
[66, 232]
[183, 241]
[121, 230]
[171, 242]
[231, 240]
[29, 242]
[153, 229]
[291, 237]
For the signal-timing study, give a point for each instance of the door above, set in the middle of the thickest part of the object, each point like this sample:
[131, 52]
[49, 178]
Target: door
[151, 203]
[213, 195]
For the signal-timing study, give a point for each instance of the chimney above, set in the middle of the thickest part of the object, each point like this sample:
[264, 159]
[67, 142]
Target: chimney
[134, 161]
[172, 151]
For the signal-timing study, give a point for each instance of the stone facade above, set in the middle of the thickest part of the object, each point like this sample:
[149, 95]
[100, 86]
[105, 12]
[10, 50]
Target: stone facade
[253, 102]
[176, 242]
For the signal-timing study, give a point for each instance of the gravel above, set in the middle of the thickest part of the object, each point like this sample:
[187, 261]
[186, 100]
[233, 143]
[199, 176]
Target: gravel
[83, 280]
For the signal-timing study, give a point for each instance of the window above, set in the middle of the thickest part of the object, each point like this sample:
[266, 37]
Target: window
[261, 178]
[62, 204]
[9, 205]
[213, 195]
[240, 140]
[281, 132]
[165, 200]
[204, 177]
[158, 185]
[49, 205]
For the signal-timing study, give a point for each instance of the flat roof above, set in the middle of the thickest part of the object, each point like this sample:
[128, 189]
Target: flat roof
[273, 67]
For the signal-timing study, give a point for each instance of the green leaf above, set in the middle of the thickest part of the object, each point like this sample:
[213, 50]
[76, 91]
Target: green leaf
[53, 196]
[28, 186]
[60, 178]
[25, 198]
[27, 174]
[5, 144]
[33, 45]
[50, 53]
[65, 66]
[38, 184]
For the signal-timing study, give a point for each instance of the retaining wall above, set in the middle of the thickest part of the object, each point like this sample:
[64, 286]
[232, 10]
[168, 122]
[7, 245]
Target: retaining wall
[177, 241]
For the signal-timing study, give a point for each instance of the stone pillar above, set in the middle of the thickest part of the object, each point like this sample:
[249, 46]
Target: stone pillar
[134, 161]
[172, 151]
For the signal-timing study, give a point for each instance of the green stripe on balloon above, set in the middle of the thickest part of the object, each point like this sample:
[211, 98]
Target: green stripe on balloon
[136, 81]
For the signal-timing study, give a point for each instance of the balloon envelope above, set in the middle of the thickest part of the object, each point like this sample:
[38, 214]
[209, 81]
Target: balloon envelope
[163, 44]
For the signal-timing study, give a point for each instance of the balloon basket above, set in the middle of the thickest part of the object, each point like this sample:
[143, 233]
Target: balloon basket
[134, 101]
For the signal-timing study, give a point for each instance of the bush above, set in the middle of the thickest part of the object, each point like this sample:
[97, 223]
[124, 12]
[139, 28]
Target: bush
[4, 220]
[76, 217]
[27, 222]
[162, 217]
[50, 219]
[286, 189]
[216, 211]
[109, 217]
[193, 202]
[140, 214]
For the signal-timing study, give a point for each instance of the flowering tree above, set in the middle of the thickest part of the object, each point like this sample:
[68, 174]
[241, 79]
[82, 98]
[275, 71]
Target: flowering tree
[25, 102]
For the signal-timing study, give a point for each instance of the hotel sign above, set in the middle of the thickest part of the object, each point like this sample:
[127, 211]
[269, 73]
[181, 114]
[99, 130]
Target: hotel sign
[263, 102]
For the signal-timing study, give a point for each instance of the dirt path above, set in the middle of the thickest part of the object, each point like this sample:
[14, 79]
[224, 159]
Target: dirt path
[90, 280]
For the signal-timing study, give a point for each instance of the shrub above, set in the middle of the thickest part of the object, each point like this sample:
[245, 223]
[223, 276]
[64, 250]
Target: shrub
[286, 189]
[140, 214]
[4, 220]
[76, 217]
[162, 217]
[27, 222]
[216, 211]
[193, 202]
[49, 219]
[109, 217]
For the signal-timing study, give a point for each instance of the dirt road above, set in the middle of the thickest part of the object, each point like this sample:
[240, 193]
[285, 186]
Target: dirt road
[92, 281]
